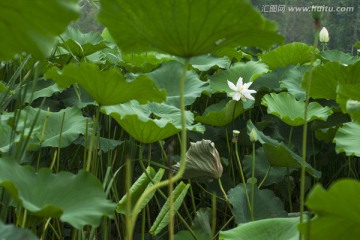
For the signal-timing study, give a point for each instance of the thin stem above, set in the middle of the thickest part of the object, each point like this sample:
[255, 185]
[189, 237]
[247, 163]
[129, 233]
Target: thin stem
[304, 137]
[252, 181]
[181, 170]
[242, 177]
[265, 177]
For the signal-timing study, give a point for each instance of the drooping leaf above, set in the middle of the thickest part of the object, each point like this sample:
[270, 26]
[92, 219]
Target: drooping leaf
[281, 156]
[192, 27]
[202, 221]
[103, 144]
[151, 122]
[337, 211]
[291, 111]
[51, 127]
[142, 63]
[222, 113]
[270, 229]
[202, 161]
[138, 188]
[22, 32]
[206, 62]
[289, 54]
[338, 56]
[81, 44]
[41, 89]
[248, 71]
[107, 87]
[162, 220]
[266, 204]
[347, 139]
[262, 166]
[76, 199]
[9, 232]
[167, 77]
[291, 80]
[325, 79]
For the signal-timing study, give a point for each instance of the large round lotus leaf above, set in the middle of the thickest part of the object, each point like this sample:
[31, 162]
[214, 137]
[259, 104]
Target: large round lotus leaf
[289, 54]
[338, 56]
[269, 229]
[248, 71]
[281, 156]
[168, 77]
[76, 199]
[291, 111]
[152, 122]
[266, 204]
[8, 232]
[325, 79]
[347, 139]
[186, 28]
[222, 113]
[31, 26]
[107, 87]
[337, 211]
[81, 44]
[47, 125]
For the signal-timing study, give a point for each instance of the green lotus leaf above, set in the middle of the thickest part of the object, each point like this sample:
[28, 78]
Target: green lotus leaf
[291, 78]
[281, 156]
[337, 211]
[325, 79]
[51, 127]
[289, 54]
[143, 63]
[348, 97]
[206, 62]
[10, 231]
[266, 204]
[338, 56]
[347, 139]
[3, 88]
[185, 234]
[138, 188]
[202, 221]
[291, 111]
[103, 144]
[5, 136]
[106, 87]
[167, 77]
[162, 220]
[353, 108]
[270, 229]
[262, 138]
[248, 71]
[76, 199]
[81, 44]
[192, 27]
[263, 168]
[222, 113]
[41, 89]
[152, 122]
[22, 32]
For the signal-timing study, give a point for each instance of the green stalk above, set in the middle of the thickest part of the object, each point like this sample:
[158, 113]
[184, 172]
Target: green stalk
[252, 181]
[265, 177]
[288, 172]
[303, 162]
[181, 170]
[242, 177]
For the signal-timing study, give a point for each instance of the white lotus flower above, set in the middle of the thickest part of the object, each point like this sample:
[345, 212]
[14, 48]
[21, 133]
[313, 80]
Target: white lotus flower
[241, 91]
[324, 35]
